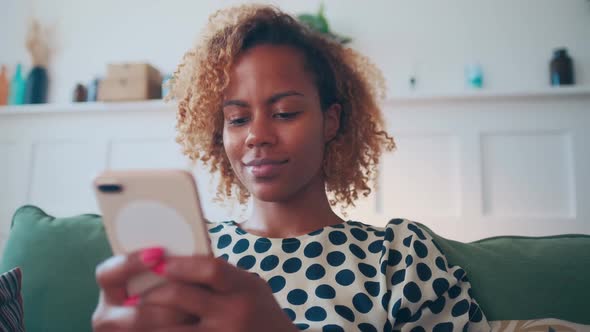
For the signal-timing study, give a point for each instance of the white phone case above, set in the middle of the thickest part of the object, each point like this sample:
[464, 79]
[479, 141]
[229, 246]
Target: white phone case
[155, 208]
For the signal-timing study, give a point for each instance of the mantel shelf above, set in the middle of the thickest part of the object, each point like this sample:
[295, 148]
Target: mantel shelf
[410, 97]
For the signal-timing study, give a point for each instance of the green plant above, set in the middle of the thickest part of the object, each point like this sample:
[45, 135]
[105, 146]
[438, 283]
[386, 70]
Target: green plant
[319, 23]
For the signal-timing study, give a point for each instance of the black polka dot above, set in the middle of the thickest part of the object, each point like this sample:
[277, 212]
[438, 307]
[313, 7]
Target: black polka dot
[375, 246]
[216, 229]
[437, 306]
[394, 257]
[336, 258]
[409, 260]
[332, 328]
[417, 230]
[315, 314]
[241, 246]
[359, 234]
[240, 231]
[454, 291]
[362, 303]
[269, 262]
[412, 292]
[290, 245]
[302, 326]
[395, 308]
[440, 286]
[424, 272]
[408, 241]
[224, 241]
[398, 277]
[325, 292]
[225, 257]
[345, 277]
[313, 250]
[379, 233]
[389, 235]
[460, 308]
[459, 274]
[372, 288]
[383, 267]
[319, 231]
[475, 314]
[443, 327]
[277, 283]
[385, 299]
[261, 246]
[246, 262]
[366, 327]
[396, 221]
[297, 297]
[440, 263]
[387, 326]
[337, 237]
[315, 272]
[420, 249]
[290, 313]
[357, 251]
[418, 329]
[404, 315]
[416, 316]
[367, 270]
[345, 312]
[341, 225]
[292, 265]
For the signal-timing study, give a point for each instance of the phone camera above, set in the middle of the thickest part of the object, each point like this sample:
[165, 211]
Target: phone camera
[110, 188]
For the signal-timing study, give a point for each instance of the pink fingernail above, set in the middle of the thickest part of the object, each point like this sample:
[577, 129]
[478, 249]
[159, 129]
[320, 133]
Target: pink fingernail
[151, 256]
[159, 268]
[131, 301]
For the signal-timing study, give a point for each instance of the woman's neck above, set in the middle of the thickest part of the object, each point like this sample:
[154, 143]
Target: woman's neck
[307, 211]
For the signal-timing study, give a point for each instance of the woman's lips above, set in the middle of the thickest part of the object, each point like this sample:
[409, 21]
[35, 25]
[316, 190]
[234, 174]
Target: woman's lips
[266, 169]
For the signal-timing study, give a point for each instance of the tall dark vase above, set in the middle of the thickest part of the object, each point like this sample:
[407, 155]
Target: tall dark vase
[561, 68]
[36, 88]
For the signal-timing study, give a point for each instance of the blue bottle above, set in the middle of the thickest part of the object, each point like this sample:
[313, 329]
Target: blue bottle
[17, 87]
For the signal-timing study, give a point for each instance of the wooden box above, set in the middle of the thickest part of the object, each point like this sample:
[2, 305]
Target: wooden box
[129, 82]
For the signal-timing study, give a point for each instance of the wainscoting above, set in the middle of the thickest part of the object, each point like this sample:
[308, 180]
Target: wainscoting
[468, 165]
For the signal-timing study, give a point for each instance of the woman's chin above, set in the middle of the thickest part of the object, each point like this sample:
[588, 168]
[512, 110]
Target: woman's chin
[270, 193]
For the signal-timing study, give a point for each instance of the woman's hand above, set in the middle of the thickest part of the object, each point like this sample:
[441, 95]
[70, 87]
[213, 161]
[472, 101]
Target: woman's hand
[115, 311]
[222, 296]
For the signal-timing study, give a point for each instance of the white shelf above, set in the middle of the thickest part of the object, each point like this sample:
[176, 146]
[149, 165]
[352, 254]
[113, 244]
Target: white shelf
[88, 107]
[412, 97]
[472, 95]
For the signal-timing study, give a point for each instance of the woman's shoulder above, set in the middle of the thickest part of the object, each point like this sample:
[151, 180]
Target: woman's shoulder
[394, 228]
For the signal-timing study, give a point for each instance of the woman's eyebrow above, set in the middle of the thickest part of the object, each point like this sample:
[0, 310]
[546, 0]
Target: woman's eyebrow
[271, 100]
[278, 96]
[235, 102]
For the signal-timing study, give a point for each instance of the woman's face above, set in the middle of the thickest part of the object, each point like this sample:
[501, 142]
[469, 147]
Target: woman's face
[274, 130]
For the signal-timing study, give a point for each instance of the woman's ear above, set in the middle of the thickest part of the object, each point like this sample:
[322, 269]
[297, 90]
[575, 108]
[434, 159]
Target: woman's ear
[332, 121]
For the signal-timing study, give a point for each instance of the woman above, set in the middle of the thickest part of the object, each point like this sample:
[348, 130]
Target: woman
[291, 121]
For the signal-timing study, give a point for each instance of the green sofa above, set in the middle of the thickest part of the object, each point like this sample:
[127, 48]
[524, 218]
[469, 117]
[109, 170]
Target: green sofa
[513, 277]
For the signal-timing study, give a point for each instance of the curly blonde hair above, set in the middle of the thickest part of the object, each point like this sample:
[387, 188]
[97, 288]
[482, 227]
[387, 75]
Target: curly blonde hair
[342, 76]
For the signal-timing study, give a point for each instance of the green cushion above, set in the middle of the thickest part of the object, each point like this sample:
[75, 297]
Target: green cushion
[516, 277]
[58, 258]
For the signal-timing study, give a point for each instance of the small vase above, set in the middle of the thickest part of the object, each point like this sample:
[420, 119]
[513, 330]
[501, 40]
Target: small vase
[36, 89]
[474, 76]
[561, 68]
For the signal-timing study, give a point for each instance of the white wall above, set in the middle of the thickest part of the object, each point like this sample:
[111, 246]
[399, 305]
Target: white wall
[513, 40]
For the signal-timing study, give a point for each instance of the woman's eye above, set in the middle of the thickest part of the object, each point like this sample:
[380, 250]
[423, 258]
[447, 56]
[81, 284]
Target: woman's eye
[286, 115]
[237, 121]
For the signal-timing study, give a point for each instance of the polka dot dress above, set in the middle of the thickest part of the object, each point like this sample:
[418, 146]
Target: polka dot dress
[356, 277]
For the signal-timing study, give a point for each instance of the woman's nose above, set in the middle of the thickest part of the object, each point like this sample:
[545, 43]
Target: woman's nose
[260, 132]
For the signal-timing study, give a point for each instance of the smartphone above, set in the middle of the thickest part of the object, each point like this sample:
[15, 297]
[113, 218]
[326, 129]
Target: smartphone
[151, 208]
